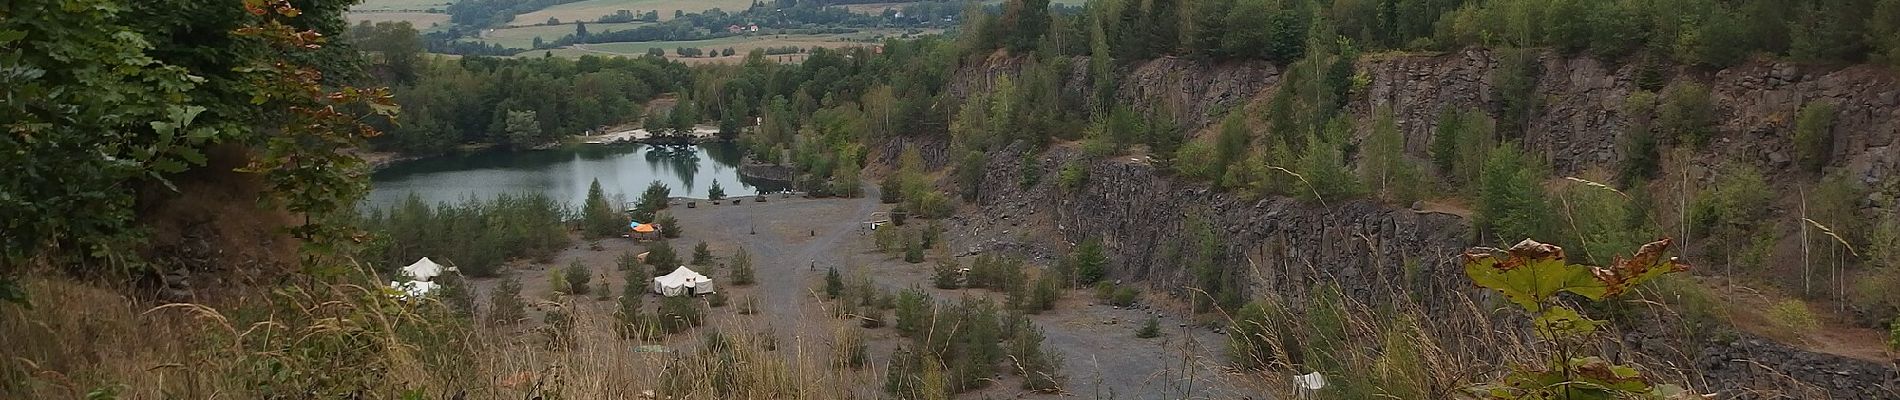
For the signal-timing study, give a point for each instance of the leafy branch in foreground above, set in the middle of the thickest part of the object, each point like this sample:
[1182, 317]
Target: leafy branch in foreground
[1535, 277]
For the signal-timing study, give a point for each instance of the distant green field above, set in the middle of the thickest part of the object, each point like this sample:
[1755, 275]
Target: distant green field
[878, 8]
[740, 45]
[592, 9]
[401, 5]
[421, 20]
[523, 37]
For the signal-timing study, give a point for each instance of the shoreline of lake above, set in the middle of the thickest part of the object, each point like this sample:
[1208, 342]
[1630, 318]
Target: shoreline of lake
[564, 173]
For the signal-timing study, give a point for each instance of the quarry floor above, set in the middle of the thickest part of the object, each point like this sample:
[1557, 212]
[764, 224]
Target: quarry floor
[792, 241]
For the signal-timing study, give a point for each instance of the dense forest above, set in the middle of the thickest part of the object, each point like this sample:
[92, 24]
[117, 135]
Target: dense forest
[521, 102]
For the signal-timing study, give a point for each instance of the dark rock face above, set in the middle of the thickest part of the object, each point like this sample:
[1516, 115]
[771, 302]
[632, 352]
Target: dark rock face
[1750, 367]
[1739, 363]
[1375, 252]
[1580, 119]
[767, 172]
[1278, 246]
[1198, 92]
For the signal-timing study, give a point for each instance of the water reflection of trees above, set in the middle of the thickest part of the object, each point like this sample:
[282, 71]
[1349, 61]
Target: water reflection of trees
[725, 154]
[565, 172]
[683, 161]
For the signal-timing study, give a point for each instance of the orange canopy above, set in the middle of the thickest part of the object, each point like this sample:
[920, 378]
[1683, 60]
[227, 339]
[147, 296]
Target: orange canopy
[644, 228]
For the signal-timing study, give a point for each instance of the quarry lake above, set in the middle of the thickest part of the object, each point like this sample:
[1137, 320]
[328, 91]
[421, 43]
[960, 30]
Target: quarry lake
[564, 174]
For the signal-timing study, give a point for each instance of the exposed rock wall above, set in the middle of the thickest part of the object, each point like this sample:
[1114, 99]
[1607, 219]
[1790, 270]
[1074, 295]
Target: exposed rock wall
[1745, 366]
[1281, 246]
[1197, 92]
[1374, 251]
[1580, 120]
[766, 172]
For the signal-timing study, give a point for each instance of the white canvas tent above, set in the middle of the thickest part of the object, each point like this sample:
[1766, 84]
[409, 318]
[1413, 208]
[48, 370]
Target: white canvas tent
[423, 269]
[420, 274]
[682, 281]
[413, 289]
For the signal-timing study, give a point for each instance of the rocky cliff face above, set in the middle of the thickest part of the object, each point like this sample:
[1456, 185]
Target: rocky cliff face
[1286, 247]
[1280, 246]
[1196, 91]
[1581, 121]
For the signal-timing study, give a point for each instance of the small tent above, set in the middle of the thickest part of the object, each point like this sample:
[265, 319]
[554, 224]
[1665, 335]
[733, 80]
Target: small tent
[413, 289]
[423, 270]
[421, 275]
[682, 281]
[641, 231]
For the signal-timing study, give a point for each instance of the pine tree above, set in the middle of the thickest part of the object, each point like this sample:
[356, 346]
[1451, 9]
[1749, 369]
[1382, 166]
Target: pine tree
[702, 254]
[1251, 40]
[901, 375]
[1150, 329]
[1040, 368]
[742, 273]
[628, 315]
[661, 257]
[599, 216]
[947, 274]
[1045, 295]
[1210, 26]
[1511, 202]
[627, 261]
[913, 248]
[715, 193]
[1165, 33]
[1090, 262]
[1445, 140]
[834, 283]
[1131, 31]
[1032, 22]
[505, 305]
[1324, 167]
[913, 311]
[1229, 145]
[677, 314]
[578, 276]
[652, 200]
[1101, 71]
[1641, 154]
[1385, 165]
[1814, 135]
[670, 227]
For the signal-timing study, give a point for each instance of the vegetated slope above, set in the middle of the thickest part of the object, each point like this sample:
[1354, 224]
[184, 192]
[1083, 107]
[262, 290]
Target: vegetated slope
[1375, 252]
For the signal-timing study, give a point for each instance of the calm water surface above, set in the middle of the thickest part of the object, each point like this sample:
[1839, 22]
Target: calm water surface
[564, 174]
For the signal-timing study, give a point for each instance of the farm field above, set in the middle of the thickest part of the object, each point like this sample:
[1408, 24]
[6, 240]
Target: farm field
[591, 9]
[739, 44]
[421, 20]
[522, 37]
[401, 5]
[878, 8]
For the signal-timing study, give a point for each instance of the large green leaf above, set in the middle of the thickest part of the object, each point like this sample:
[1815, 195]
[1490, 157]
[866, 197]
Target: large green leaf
[1560, 321]
[1648, 263]
[1531, 273]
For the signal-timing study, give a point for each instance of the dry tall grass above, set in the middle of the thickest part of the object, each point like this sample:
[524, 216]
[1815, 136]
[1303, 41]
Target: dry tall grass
[348, 341]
